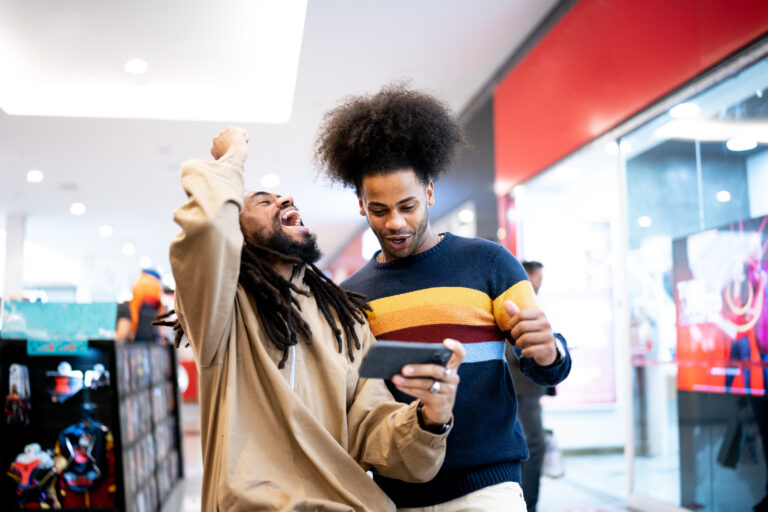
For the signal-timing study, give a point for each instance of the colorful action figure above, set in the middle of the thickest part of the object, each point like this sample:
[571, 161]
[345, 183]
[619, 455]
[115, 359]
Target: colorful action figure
[33, 470]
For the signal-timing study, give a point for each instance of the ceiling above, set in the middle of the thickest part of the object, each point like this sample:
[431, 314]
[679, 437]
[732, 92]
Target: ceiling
[126, 171]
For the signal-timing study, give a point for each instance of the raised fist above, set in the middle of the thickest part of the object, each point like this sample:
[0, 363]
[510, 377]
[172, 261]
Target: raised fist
[233, 139]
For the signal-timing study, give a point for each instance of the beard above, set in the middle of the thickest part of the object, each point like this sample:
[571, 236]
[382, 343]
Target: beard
[305, 249]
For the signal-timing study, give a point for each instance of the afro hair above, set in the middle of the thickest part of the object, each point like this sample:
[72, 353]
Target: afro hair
[394, 129]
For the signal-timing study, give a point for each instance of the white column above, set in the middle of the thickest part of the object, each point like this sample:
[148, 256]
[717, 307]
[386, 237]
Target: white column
[14, 256]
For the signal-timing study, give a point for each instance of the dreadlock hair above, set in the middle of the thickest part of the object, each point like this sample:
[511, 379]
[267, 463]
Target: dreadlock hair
[395, 129]
[278, 309]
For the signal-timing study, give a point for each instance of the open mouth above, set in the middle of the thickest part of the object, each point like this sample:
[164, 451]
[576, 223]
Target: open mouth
[291, 218]
[398, 242]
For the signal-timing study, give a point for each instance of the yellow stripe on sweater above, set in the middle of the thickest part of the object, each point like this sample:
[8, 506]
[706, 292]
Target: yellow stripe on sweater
[430, 296]
[428, 315]
[522, 294]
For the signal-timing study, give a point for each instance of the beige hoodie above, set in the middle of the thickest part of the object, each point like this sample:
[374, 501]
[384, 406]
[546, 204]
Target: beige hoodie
[298, 438]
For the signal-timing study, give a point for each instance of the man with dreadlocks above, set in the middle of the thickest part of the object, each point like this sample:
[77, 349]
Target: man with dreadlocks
[425, 286]
[287, 424]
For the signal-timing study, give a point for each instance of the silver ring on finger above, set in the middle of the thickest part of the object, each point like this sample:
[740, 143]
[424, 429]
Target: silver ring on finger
[435, 389]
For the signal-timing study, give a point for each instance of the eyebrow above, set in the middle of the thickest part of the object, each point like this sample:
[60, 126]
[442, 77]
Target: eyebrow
[254, 194]
[375, 203]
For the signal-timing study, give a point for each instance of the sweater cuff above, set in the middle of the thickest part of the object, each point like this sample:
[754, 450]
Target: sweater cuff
[548, 375]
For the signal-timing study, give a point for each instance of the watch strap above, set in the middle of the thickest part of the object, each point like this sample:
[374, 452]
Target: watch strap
[433, 429]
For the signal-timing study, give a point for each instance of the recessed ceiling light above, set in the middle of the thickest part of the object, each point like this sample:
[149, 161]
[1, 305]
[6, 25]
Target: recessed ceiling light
[136, 66]
[644, 221]
[501, 188]
[35, 176]
[685, 110]
[741, 144]
[145, 262]
[611, 148]
[77, 208]
[105, 231]
[723, 196]
[270, 181]
[466, 216]
[129, 249]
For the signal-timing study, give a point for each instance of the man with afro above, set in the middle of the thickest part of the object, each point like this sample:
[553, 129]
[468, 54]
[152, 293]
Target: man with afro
[425, 286]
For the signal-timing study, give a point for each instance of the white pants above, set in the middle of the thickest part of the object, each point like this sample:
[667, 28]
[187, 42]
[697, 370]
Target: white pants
[503, 497]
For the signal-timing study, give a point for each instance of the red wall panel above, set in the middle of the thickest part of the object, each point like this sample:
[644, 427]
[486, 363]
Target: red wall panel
[604, 61]
[350, 259]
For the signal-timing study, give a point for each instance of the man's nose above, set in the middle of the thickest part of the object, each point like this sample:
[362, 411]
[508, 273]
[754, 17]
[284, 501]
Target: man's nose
[284, 201]
[395, 222]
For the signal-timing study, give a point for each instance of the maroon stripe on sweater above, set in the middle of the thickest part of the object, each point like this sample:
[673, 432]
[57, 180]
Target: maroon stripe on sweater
[438, 332]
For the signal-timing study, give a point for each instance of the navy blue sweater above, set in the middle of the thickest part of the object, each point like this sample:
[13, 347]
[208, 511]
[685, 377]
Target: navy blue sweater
[456, 289]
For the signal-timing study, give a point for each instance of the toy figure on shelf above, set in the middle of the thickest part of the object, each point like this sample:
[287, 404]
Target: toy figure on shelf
[17, 402]
[97, 378]
[33, 470]
[63, 383]
[87, 479]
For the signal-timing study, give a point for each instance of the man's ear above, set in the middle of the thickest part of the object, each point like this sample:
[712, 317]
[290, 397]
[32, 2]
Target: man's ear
[430, 193]
[362, 208]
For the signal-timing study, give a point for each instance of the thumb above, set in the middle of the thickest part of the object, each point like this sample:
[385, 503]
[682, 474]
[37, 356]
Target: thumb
[511, 308]
[459, 353]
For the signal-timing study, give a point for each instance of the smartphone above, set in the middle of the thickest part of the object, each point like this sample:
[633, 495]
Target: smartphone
[386, 358]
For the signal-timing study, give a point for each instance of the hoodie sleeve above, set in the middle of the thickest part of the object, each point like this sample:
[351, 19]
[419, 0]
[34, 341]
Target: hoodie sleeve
[205, 255]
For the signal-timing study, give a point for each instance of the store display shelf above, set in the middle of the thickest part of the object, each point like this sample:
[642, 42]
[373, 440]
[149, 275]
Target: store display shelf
[128, 413]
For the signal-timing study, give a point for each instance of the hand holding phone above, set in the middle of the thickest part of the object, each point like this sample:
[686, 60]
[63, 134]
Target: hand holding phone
[426, 371]
[387, 358]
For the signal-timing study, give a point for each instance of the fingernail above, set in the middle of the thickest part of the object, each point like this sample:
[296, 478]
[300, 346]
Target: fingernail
[407, 370]
[397, 379]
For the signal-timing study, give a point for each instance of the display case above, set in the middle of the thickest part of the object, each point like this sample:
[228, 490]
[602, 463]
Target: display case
[149, 417]
[97, 429]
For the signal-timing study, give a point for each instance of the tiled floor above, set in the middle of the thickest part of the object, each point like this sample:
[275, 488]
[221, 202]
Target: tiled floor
[592, 483]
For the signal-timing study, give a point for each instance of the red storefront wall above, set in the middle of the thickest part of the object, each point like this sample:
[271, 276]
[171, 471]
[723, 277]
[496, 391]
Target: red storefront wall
[603, 62]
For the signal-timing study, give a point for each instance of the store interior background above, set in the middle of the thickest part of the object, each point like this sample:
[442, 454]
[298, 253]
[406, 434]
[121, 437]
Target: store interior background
[615, 195]
[120, 152]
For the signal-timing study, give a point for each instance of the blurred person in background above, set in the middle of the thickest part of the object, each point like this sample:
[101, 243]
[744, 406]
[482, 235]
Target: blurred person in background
[135, 317]
[529, 407]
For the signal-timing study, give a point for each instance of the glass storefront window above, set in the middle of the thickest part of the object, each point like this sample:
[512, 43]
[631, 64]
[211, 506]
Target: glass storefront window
[697, 215]
[673, 217]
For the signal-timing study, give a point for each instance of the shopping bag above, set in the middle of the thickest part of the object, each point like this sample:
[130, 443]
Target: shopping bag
[552, 466]
[728, 456]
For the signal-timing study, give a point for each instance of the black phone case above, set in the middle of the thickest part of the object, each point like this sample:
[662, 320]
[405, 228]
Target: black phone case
[387, 358]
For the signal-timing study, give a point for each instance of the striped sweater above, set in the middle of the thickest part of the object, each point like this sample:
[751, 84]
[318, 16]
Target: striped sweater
[456, 289]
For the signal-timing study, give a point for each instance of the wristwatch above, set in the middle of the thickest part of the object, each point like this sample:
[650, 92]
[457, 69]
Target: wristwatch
[560, 351]
[434, 429]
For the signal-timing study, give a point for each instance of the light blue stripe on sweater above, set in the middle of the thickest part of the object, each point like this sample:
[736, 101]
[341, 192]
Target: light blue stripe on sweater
[484, 351]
